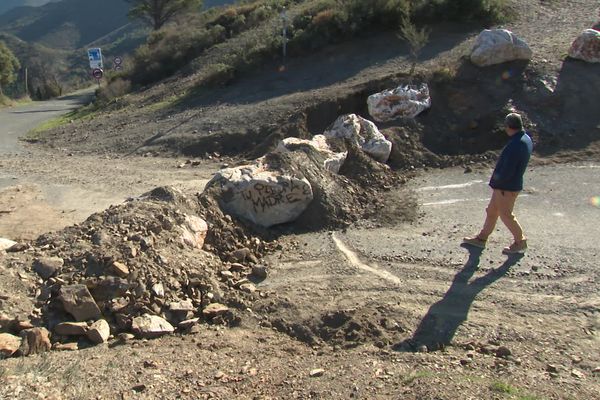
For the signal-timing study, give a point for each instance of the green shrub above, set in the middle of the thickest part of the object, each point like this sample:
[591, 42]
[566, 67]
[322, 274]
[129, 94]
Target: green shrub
[216, 75]
[485, 11]
[169, 50]
[115, 88]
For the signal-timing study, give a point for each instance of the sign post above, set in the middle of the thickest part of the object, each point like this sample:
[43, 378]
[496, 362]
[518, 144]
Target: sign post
[95, 57]
[98, 74]
[96, 64]
[117, 63]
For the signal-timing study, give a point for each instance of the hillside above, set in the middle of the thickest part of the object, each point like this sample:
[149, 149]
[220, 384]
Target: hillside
[367, 293]
[7, 5]
[68, 24]
[234, 97]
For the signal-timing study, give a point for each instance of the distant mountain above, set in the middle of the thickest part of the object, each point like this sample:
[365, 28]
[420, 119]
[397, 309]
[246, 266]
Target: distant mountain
[66, 24]
[7, 5]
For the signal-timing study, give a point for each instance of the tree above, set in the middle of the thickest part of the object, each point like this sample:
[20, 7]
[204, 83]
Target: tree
[416, 39]
[159, 12]
[9, 65]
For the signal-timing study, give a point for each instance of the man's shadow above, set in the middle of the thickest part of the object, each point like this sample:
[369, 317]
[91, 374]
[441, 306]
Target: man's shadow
[438, 327]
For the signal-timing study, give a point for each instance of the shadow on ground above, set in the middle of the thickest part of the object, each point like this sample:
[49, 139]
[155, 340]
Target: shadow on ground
[437, 329]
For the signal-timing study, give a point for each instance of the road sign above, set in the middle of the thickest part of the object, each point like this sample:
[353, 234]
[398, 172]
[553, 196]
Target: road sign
[97, 73]
[117, 61]
[95, 57]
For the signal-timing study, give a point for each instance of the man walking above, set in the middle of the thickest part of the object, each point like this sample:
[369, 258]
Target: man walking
[507, 182]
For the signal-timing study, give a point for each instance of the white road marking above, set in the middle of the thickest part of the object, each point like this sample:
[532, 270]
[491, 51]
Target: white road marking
[454, 201]
[450, 201]
[454, 186]
[353, 259]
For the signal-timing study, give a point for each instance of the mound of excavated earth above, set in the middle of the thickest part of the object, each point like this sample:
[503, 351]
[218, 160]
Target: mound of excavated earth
[166, 262]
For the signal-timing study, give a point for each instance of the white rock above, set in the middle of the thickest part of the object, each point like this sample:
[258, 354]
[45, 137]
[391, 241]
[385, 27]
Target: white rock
[586, 47]
[194, 231]
[158, 289]
[406, 101]
[263, 196]
[6, 244]
[363, 133]
[333, 161]
[151, 326]
[99, 332]
[496, 46]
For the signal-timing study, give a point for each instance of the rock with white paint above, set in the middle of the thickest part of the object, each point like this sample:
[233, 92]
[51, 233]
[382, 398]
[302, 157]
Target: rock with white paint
[496, 46]
[261, 194]
[333, 161]
[151, 326]
[406, 101]
[363, 133]
[9, 344]
[194, 231]
[587, 46]
[78, 302]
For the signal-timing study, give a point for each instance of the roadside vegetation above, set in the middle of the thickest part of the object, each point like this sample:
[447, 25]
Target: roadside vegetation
[82, 113]
[222, 43]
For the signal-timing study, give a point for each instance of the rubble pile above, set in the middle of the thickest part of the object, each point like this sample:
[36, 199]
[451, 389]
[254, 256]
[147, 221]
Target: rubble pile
[166, 262]
[151, 266]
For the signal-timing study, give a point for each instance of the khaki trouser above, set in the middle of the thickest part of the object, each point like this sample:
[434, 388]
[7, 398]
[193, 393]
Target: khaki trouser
[501, 205]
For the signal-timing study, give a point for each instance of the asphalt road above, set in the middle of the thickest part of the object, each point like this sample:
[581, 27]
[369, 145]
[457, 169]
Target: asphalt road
[15, 122]
[559, 211]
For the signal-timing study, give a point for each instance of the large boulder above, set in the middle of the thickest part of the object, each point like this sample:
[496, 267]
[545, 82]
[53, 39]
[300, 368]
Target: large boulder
[405, 101]
[496, 46]
[587, 46]
[262, 194]
[362, 133]
[333, 161]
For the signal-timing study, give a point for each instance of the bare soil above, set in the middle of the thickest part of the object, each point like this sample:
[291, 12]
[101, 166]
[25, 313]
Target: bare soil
[399, 331]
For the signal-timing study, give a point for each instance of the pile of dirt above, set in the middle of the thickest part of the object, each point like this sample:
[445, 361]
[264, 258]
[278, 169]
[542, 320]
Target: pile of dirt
[181, 258]
[346, 328]
[147, 256]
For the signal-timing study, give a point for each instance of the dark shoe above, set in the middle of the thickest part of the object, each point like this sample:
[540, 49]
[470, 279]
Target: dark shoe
[475, 242]
[516, 248]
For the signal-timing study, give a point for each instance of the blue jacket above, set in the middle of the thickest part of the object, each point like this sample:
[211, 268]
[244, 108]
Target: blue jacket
[510, 168]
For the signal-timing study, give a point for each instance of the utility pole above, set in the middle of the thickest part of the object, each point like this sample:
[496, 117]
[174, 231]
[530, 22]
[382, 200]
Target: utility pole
[284, 19]
[26, 83]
